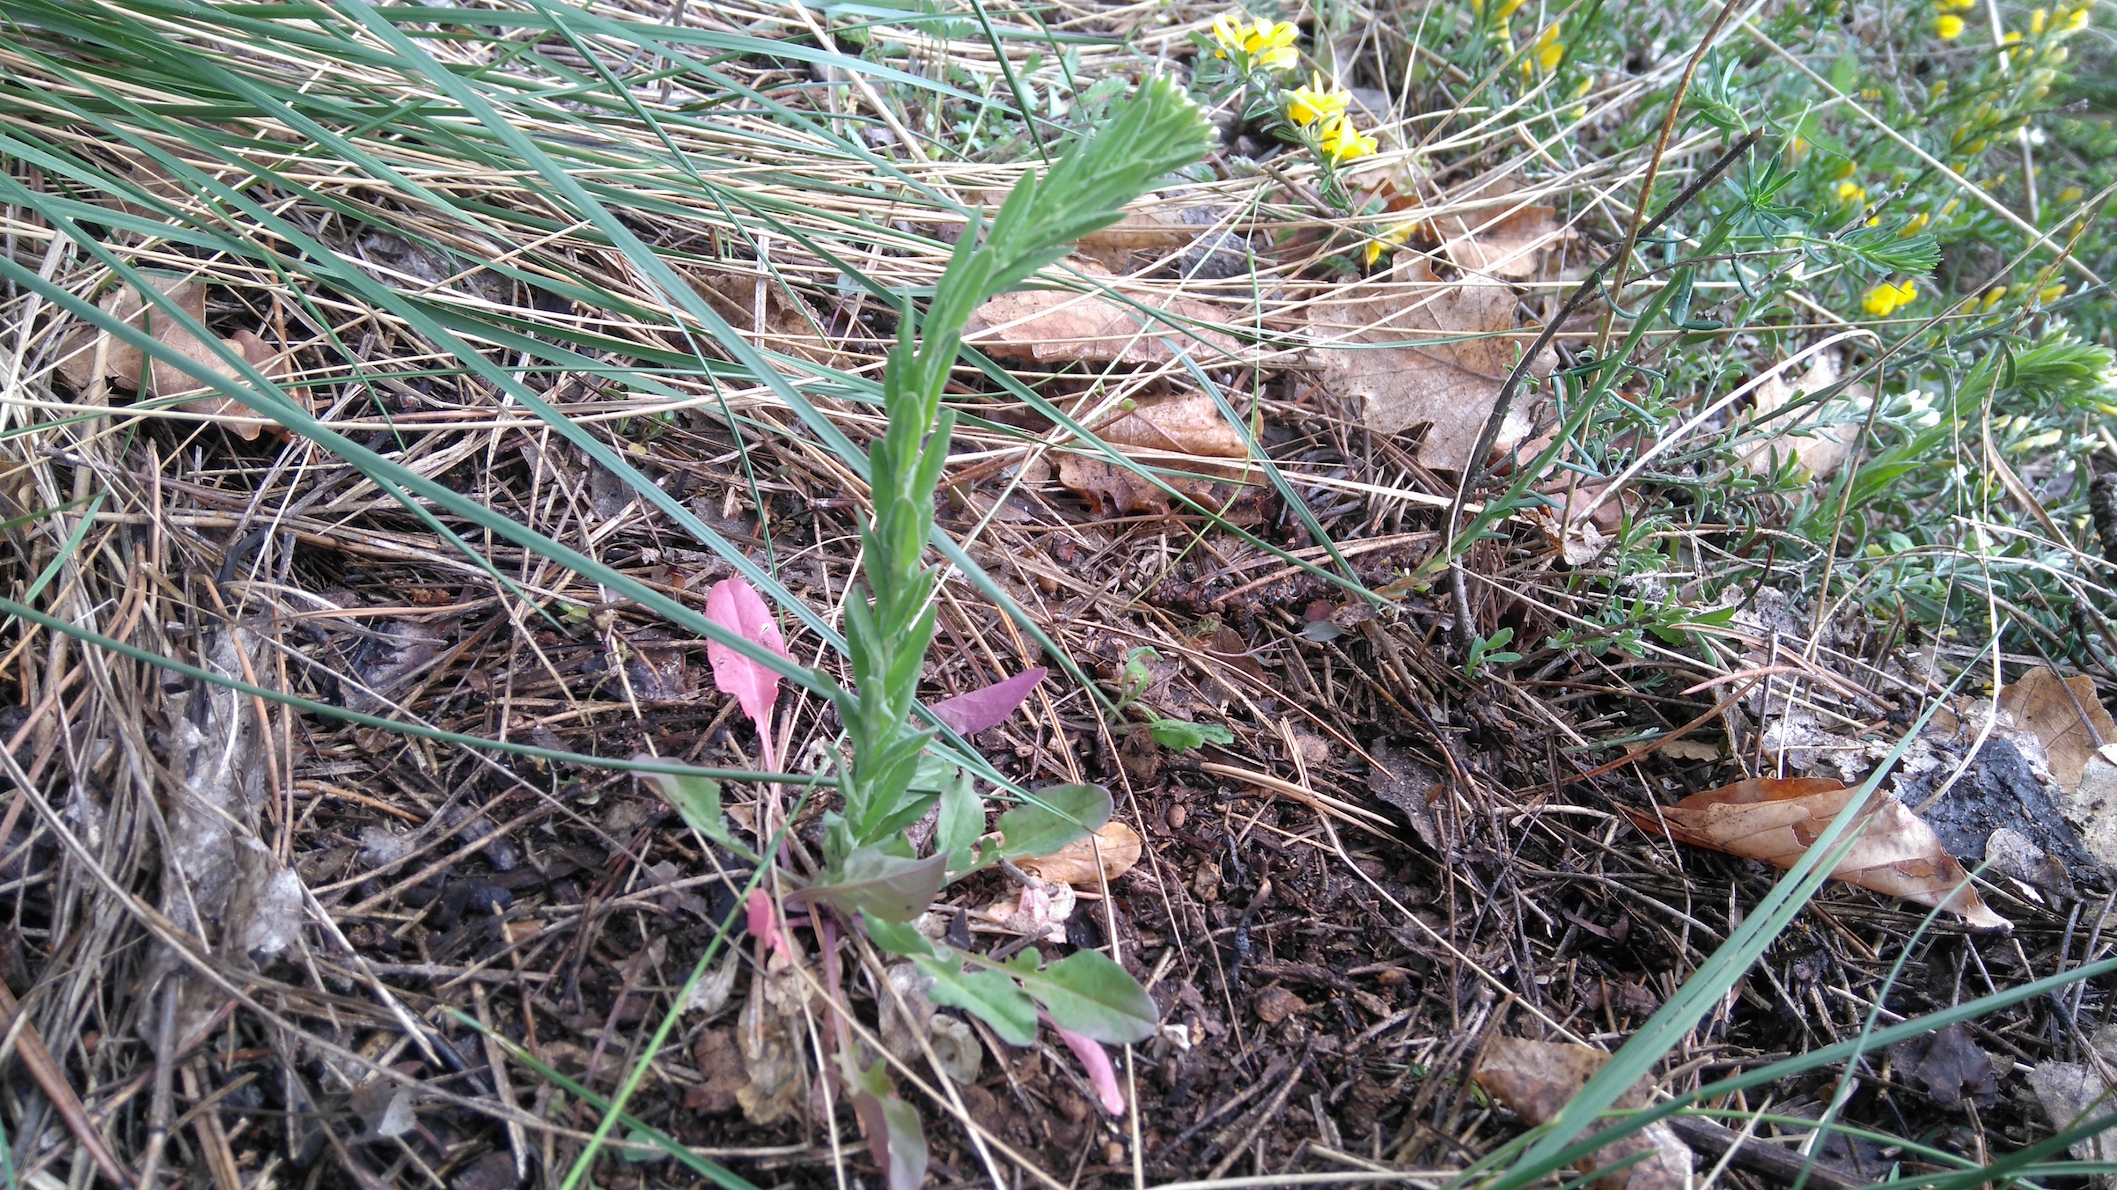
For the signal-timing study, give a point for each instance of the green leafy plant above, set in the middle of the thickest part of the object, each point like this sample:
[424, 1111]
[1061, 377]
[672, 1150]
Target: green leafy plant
[1489, 650]
[1179, 734]
[871, 877]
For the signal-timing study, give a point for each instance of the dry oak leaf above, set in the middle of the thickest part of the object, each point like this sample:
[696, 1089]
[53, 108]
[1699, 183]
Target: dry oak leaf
[1820, 449]
[1114, 491]
[1189, 423]
[1156, 228]
[1510, 243]
[1775, 820]
[1186, 424]
[1433, 354]
[2063, 713]
[1055, 326]
[87, 348]
[1115, 845]
[1534, 1079]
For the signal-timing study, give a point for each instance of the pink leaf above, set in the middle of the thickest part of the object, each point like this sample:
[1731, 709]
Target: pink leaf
[987, 706]
[1100, 1073]
[763, 926]
[733, 605]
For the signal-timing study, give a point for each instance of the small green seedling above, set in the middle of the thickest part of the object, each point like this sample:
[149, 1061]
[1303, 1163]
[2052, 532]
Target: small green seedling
[1485, 650]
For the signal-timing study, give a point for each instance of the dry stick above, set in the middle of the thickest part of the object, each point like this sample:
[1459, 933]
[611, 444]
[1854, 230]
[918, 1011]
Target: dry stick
[1661, 148]
[159, 1108]
[212, 1138]
[1473, 471]
[52, 1080]
[1747, 1152]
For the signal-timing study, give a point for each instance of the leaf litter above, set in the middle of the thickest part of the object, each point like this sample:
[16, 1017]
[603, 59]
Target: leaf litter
[1312, 992]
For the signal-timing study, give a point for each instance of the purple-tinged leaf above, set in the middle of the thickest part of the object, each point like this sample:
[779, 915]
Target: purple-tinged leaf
[1101, 1074]
[733, 605]
[987, 706]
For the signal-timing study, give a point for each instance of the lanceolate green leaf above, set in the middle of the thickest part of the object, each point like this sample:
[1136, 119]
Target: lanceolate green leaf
[1061, 814]
[1091, 995]
[990, 994]
[897, 938]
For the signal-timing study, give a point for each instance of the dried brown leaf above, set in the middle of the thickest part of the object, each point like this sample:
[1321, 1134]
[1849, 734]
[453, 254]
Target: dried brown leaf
[1115, 845]
[1188, 423]
[1948, 1066]
[1435, 358]
[1510, 244]
[123, 364]
[1157, 227]
[1274, 1004]
[1399, 778]
[1034, 909]
[1821, 449]
[772, 314]
[2065, 714]
[1051, 326]
[1113, 491]
[1775, 820]
[1534, 1079]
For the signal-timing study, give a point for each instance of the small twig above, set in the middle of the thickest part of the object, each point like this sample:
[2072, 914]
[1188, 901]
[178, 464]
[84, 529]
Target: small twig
[44, 1068]
[1269, 1114]
[1747, 1152]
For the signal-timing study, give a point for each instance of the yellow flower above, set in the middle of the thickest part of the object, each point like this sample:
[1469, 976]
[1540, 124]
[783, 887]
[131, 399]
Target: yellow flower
[2075, 21]
[1955, 5]
[1270, 44]
[1918, 224]
[2071, 194]
[1883, 299]
[1341, 142]
[1546, 52]
[1389, 240]
[1851, 192]
[1949, 26]
[1307, 105]
[2050, 293]
[1992, 298]
[2037, 20]
[1261, 43]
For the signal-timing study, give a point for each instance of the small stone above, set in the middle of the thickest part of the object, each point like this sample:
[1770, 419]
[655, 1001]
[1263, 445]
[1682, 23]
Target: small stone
[1113, 1153]
[1176, 816]
[1275, 1004]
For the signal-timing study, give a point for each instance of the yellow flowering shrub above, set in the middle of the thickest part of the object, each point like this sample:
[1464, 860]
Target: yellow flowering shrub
[1546, 52]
